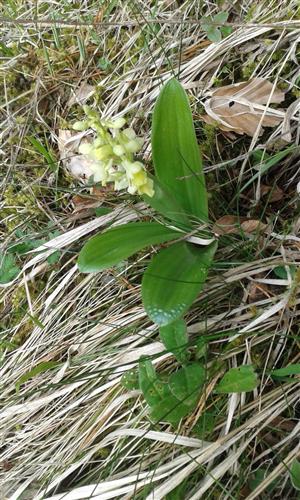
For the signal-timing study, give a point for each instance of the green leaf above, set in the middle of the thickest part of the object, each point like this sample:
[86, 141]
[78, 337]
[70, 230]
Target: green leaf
[169, 409]
[174, 400]
[281, 273]
[242, 379]
[104, 63]
[295, 474]
[293, 369]
[206, 27]
[108, 249]
[226, 31]
[176, 152]
[130, 380]
[266, 165]
[102, 211]
[40, 368]
[173, 280]
[174, 337]
[205, 425]
[165, 203]
[221, 17]
[24, 245]
[258, 477]
[187, 382]
[54, 257]
[179, 492]
[8, 268]
[149, 383]
[40, 148]
[200, 348]
[214, 34]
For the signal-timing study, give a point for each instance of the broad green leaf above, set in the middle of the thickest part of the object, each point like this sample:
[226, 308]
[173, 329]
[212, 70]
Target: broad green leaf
[102, 211]
[293, 369]
[200, 348]
[169, 409]
[54, 257]
[205, 424]
[165, 203]
[186, 383]
[295, 474]
[226, 30]
[281, 272]
[40, 368]
[130, 380]
[8, 268]
[149, 383]
[179, 492]
[242, 379]
[174, 337]
[214, 34]
[175, 150]
[221, 17]
[258, 477]
[173, 280]
[109, 248]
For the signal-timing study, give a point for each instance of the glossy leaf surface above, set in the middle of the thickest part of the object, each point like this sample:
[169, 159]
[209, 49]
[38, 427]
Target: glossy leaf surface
[164, 202]
[174, 337]
[175, 150]
[241, 379]
[173, 280]
[109, 248]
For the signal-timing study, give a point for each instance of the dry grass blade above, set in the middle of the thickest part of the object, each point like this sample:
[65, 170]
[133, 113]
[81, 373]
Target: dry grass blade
[72, 430]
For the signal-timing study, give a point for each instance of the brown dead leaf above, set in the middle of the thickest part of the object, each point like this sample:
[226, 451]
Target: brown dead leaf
[228, 224]
[81, 94]
[77, 165]
[232, 224]
[273, 193]
[239, 108]
[253, 226]
[258, 291]
[84, 202]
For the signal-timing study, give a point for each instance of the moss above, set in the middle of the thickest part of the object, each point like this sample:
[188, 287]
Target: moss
[18, 204]
[296, 92]
[18, 311]
[209, 142]
[248, 70]
[250, 14]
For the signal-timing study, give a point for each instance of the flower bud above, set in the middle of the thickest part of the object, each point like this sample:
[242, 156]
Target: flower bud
[98, 142]
[85, 148]
[147, 188]
[117, 123]
[129, 133]
[118, 150]
[132, 190]
[80, 125]
[133, 146]
[102, 153]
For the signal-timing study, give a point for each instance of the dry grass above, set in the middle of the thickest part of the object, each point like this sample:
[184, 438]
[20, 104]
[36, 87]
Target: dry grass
[73, 431]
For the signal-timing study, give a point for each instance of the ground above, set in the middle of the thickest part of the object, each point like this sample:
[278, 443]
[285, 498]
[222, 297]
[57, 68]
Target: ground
[70, 426]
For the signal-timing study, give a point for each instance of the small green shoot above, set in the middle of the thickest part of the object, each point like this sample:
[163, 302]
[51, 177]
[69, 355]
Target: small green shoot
[295, 474]
[241, 379]
[9, 269]
[213, 26]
